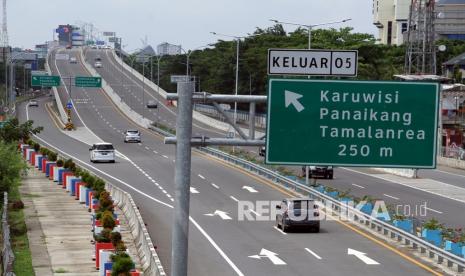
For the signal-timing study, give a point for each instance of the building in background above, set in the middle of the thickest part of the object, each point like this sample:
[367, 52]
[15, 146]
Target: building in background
[391, 17]
[168, 49]
[450, 19]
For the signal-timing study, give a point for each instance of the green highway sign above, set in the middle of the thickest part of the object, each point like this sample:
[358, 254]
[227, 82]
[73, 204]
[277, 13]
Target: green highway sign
[39, 80]
[352, 123]
[88, 82]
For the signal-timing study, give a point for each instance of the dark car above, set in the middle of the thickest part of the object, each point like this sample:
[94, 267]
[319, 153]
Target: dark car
[152, 104]
[298, 212]
[319, 171]
[262, 151]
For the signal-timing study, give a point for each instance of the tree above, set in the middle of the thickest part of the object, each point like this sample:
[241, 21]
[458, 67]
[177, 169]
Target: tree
[13, 131]
[11, 166]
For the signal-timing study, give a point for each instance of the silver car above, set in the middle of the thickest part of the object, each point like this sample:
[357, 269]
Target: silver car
[132, 135]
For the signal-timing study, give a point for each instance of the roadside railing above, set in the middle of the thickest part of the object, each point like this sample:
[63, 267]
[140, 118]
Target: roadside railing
[151, 264]
[439, 255]
[8, 257]
[241, 116]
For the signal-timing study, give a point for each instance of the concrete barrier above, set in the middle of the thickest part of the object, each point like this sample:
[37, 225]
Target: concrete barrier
[61, 109]
[409, 173]
[451, 162]
[133, 115]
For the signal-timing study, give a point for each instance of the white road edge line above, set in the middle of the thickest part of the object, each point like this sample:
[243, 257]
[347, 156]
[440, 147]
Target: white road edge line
[205, 234]
[393, 197]
[313, 253]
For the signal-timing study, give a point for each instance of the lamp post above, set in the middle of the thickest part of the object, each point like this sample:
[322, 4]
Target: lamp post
[189, 53]
[310, 27]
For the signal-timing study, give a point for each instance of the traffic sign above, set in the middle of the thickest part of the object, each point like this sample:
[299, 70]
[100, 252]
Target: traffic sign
[69, 104]
[352, 123]
[37, 80]
[88, 82]
[312, 62]
[179, 78]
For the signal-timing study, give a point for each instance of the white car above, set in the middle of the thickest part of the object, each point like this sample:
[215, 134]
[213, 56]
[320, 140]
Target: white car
[107, 47]
[72, 60]
[132, 135]
[33, 103]
[98, 64]
[102, 152]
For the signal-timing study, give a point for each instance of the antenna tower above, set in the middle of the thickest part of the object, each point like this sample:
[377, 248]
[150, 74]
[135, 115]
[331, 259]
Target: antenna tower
[420, 56]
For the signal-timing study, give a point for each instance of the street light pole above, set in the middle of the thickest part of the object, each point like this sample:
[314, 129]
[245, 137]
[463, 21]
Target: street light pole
[310, 27]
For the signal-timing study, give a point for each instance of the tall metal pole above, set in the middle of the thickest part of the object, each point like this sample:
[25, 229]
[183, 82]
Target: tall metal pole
[158, 75]
[237, 80]
[143, 84]
[307, 169]
[179, 242]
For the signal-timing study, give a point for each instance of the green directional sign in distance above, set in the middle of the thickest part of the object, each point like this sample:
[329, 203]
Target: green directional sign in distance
[49, 81]
[352, 123]
[88, 82]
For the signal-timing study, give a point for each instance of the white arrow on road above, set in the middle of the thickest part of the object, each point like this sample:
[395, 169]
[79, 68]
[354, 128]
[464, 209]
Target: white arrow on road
[293, 98]
[223, 215]
[362, 256]
[250, 189]
[194, 190]
[270, 255]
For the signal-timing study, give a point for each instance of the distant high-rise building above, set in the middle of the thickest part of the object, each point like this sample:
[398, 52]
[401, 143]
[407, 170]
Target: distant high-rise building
[391, 17]
[168, 49]
[450, 19]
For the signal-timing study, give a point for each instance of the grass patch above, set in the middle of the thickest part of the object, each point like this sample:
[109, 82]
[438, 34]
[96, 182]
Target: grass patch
[31, 195]
[19, 240]
[60, 270]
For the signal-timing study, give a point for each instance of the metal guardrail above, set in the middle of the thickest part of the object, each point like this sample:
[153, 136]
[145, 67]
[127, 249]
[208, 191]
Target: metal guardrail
[242, 117]
[151, 264]
[416, 243]
[8, 257]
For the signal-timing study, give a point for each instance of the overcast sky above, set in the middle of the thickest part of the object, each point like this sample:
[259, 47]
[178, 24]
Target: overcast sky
[185, 22]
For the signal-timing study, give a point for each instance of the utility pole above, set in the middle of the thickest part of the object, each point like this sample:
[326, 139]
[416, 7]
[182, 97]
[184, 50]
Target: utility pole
[180, 237]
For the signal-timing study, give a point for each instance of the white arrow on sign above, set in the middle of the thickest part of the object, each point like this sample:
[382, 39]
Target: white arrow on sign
[270, 255]
[194, 190]
[362, 256]
[250, 189]
[223, 215]
[293, 98]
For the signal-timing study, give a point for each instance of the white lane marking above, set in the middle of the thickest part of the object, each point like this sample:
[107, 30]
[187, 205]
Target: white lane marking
[279, 230]
[362, 256]
[165, 156]
[253, 211]
[313, 253]
[165, 192]
[155, 151]
[250, 189]
[147, 148]
[214, 185]
[431, 209]
[233, 198]
[194, 222]
[172, 199]
[222, 214]
[393, 197]
[194, 190]
[358, 186]
[201, 176]
[139, 144]
[273, 257]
